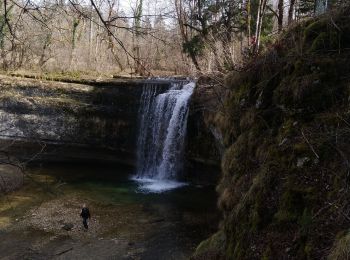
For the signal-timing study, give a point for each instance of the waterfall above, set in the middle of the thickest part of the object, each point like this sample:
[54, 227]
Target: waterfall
[161, 140]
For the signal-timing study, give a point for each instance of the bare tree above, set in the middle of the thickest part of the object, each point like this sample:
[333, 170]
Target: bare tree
[280, 15]
[259, 21]
[291, 11]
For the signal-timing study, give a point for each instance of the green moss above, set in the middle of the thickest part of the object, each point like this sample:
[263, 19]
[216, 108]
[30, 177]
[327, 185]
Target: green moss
[259, 217]
[291, 206]
[305, 221]
[238, 252]
[308, 251]
[314, 29]
[240, 94]
[265, 195]
[325, 41]
[247, 119]
[301, 148]
[341, 248]
[255, 219]
[320, 42]
[213, 245]
[267, 254]
[298, 66]
[288, 129]
[283, 216]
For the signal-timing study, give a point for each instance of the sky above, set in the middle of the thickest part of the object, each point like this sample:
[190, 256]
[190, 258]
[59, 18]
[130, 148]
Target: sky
[152, 8]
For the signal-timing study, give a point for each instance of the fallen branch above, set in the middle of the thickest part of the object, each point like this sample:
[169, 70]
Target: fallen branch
[311, 147]
[64, 251]
[341, 212]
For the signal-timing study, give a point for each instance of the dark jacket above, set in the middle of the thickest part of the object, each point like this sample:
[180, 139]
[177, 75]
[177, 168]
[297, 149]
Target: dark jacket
[85, 213]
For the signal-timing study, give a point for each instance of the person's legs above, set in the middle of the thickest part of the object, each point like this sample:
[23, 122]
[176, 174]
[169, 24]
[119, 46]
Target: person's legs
[85, 223]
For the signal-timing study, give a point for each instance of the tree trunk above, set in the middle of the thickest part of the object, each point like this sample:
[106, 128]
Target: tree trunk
[291, 11]
[90, 38]
[249, 19]
[76, 22]
[280, 15]
[47, 43]
[181, 21]
[138, 67]
[259, 21]
[114, 53]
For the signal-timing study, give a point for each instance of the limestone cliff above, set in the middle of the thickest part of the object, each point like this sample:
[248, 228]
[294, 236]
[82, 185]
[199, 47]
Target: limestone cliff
[103, 116]
[92, 120]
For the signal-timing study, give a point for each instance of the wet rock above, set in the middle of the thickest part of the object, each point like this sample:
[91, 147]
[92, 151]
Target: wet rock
[302, 161]
[11, 178]
[68, 226]
[157, 220]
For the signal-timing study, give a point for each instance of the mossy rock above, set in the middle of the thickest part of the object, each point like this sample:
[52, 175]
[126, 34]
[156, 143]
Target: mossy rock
[314, 29]
[248, 119]
[260, 215]
[325, 41]
[288, 129]
[298, 67]
[320, 42]
[301, 148]
[267, 254]
[212, 247]
[291, 206]
[341, 248]
[305, 221]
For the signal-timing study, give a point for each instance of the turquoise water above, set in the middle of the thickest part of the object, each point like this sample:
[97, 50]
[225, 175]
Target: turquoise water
[113, 184]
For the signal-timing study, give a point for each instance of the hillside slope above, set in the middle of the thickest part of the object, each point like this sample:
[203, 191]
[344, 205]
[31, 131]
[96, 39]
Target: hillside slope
[285, 189]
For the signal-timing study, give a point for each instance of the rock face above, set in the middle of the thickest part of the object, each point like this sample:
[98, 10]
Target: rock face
[204, 144]
[11, 178]
[103, 116]
[67, 121]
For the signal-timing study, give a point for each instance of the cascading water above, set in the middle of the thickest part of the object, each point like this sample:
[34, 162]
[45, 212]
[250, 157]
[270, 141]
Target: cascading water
[160, 146]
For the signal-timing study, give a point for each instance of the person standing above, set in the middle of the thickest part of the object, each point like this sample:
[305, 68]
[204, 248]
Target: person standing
[85, 214]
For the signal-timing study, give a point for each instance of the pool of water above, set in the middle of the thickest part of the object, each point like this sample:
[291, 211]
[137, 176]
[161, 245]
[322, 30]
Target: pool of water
[128, 222]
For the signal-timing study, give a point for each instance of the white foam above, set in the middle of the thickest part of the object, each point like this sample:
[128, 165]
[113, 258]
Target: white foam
[148, 185]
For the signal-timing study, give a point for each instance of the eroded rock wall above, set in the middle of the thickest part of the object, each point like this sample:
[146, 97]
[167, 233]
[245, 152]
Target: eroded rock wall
[68, 122]
[102, 116]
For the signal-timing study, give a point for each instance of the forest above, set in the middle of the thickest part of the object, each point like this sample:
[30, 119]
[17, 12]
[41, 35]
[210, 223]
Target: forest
[144, 37]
